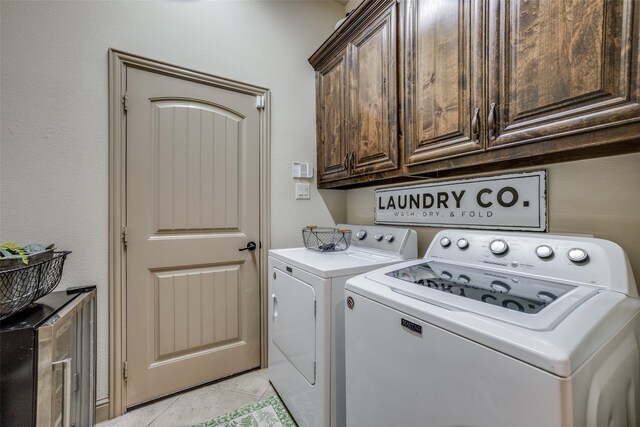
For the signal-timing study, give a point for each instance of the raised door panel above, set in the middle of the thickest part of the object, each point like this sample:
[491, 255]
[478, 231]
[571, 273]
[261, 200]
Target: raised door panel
[561, 67]
[443, 76]
[330, 108]
[372, 97]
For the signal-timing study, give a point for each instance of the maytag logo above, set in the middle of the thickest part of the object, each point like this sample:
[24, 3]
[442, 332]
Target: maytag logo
[411, 326]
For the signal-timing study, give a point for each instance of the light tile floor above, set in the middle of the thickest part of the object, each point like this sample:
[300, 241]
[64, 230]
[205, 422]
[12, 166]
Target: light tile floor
[199, 405]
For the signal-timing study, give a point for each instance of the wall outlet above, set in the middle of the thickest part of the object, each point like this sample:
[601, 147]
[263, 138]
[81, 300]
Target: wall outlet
[302, 170]
[302, 191]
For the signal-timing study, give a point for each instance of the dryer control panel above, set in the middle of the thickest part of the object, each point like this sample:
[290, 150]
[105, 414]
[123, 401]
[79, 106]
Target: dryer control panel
[399, 242]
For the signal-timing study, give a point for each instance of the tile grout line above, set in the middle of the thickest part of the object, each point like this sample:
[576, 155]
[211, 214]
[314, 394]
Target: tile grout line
[162, 412]
[241, 392]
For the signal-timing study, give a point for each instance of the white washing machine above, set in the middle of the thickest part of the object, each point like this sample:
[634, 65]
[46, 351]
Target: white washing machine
[306, 318]
[496, 329]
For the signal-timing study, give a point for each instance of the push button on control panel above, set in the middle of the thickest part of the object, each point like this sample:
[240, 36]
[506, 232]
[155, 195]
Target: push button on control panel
[498, 247]
[544, 251]
[445, 242]
[378, 237]
[577, 255]
[389, 238]
[463, 243]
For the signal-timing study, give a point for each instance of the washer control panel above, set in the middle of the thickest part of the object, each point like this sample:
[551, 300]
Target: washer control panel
[587, 260]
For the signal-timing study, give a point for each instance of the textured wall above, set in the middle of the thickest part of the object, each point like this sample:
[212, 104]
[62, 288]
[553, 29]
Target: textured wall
[599, 197]
[54, 158]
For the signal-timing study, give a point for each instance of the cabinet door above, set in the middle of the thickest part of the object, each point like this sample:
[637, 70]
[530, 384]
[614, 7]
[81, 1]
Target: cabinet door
[331, 82]
[561, 67]
[372, 96]
[443, 79]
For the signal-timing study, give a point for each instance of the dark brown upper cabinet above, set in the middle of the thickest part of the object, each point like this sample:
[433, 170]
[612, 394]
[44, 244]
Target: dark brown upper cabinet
[372, 96]
[482, 85]
[490, 83]
[356, 98]
[559, 68]
[331, 132]
[442, 79]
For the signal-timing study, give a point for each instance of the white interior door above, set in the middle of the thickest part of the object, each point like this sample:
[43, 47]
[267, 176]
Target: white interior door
[193, 314]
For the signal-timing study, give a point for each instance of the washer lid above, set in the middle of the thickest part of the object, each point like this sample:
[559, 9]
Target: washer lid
[332, 264]
[523, 301]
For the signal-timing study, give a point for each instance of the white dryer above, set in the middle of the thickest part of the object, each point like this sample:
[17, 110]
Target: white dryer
[496, 330]
[306, 318]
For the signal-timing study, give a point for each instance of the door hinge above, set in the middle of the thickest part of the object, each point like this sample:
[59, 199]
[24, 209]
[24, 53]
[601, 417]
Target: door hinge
[260, 102]
[125, 370]
[125, 236]
[125, 102]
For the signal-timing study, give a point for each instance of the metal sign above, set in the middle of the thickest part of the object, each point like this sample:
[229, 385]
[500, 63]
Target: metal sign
[503, 202]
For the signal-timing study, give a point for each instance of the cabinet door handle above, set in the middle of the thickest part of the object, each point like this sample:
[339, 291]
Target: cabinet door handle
[474, 125]
[66, 389]
[352, 160]
[345, 162]
[492, 122]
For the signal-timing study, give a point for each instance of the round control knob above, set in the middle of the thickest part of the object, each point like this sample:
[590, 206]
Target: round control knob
[389, 238]
[498, 247]
[378, 237]
[361, 234]
[445, 275]
[577, 255]
[544, 251]
[463, 243]
[445, 242]
[499, 286]
[464, 280]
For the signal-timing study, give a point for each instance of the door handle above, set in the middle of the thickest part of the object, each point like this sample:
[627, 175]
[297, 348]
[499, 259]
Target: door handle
[492, 122]
[351, 160]
[474, 125]
[250, 247]
[66, 390]
[345, 163]
[275, 306]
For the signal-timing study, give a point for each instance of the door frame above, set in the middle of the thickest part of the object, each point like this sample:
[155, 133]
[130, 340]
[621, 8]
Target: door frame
[118, 63]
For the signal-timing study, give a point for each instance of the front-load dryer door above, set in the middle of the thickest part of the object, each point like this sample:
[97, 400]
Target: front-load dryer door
[294, 322]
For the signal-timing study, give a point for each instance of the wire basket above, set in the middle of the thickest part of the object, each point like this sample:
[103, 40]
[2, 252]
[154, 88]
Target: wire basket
[19, 287]
[326, 239]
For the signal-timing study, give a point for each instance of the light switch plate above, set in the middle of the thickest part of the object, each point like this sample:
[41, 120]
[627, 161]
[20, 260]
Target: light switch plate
[302, 191]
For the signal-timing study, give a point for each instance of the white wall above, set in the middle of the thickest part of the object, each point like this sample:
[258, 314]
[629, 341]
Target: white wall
[597, 196]
[351, 5]
[54, 118]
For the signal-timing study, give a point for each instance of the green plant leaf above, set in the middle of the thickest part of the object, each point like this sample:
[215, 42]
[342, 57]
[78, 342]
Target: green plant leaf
[16, 249]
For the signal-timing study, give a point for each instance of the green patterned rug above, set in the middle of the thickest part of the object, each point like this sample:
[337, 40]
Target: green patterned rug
[265, 413]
